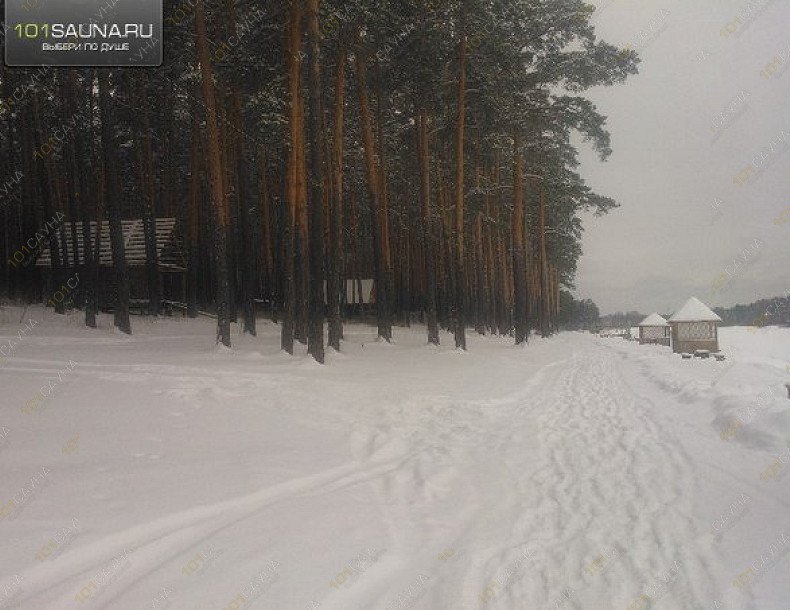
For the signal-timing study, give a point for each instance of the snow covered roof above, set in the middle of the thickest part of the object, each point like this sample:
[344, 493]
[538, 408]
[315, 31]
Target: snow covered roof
[653, 320]
[133, 239]
[695, 310]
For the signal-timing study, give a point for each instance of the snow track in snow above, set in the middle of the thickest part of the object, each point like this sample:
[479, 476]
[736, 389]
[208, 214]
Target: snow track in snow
[577, 473]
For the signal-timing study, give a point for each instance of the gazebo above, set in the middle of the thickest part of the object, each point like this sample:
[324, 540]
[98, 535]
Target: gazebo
[654, 329]
[695, 327]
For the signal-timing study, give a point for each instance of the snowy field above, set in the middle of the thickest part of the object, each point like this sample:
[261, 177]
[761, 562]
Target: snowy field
[157, 471]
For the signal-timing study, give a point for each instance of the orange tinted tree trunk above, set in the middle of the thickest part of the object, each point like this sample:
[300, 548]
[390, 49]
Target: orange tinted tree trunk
[336, 283]
[216, 177]
[293, 176]
[518, 229]
[460, 283]
[380, 214]
[428, 239]
[315, 329]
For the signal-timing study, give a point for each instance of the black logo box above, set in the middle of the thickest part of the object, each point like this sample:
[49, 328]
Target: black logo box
[83, 32]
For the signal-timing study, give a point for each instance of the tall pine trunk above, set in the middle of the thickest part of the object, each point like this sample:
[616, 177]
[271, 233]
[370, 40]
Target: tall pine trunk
[293, 59]
[266, 233]
[336, 282]
[460, 284]
[315, 331]
[146, 180]
[519, 247]
[78, 151]
[428, 225]
[384, 205]
[215, 177]
[193, 216]
[40, 186]
[245, 234]
[113, 204]
[380, 240]
[543, 262]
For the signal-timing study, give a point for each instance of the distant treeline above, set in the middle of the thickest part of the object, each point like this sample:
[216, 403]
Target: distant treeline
[765, 312]
[621, 320]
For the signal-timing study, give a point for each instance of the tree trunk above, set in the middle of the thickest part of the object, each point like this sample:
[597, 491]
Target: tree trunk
[293, 176]
[386, 230]
[193, 222]
[266, 241]
[79, 152]
[374, 180]
[336, 282]
[101, 190]
[315, 333]
[302, 260]
[428, 225]
[146, 180]
[245, 234]
[112, 200]
[460, 318]
[519, 247]
[481, 298]
[544, 272]
[215, 177]
[41, 187]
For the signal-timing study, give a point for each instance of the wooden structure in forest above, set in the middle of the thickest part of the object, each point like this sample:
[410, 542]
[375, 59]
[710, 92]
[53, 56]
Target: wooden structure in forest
[694, 327]
[654, 329]
[170, 256]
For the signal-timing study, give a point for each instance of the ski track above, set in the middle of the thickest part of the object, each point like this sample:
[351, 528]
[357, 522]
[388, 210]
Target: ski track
[582, 458]
[170, 537]
[592, 430]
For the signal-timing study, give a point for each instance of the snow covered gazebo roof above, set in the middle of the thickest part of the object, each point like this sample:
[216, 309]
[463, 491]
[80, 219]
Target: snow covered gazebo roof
[653, 320]
[695, 310]
[168, 248]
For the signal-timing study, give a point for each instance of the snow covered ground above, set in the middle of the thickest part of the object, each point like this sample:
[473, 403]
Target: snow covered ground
[157, 471]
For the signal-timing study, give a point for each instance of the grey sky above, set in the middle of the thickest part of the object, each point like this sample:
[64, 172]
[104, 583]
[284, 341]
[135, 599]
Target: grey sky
[671, 239]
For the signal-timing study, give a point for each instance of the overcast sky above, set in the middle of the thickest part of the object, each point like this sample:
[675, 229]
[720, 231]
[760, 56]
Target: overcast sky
[683, 220]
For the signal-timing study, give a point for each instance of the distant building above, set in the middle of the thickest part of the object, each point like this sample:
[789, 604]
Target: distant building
[169, 250]
[654, 329]
[695, 327]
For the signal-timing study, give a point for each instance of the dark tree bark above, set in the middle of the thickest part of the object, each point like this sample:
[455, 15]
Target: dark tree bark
[543, 265]
[266, 233]
[112, 200]
[428, 228]
[460, 317]
[336, 283]
[315, 333]
[193, 217]
[146, 180]
[519, 247]
[78, 151]
[245, 222]
[41, 185]
[215, 177]
[374, 180]
[293, 59]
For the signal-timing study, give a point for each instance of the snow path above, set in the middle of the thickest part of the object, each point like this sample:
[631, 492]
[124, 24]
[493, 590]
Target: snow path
[576, 473]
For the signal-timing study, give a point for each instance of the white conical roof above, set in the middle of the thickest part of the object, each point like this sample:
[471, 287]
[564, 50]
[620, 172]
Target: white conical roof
[695, 310]
[654, 320]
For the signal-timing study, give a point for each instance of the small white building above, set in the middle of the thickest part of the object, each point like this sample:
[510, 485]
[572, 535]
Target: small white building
[695, 327]
[654, 329]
